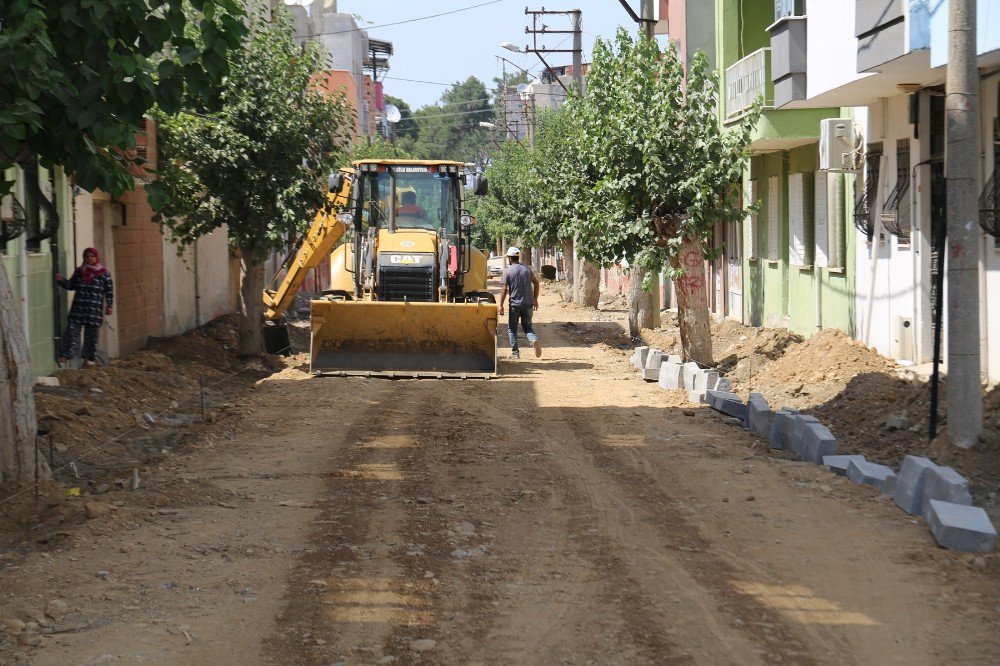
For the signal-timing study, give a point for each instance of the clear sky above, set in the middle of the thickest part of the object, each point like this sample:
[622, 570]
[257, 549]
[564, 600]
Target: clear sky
[453, 47]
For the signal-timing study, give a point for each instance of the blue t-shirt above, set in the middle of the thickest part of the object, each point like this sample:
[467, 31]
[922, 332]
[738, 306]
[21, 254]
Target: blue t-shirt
[517, 277]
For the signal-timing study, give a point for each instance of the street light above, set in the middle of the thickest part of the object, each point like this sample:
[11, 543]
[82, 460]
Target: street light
[483, 123]
[510, 46]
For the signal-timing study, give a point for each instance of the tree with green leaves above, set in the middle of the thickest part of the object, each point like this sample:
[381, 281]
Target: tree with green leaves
[78, 77]
[378, 149]
[76, 81]
[257, 165]
[564, 193]
[450, 129]
[664, 170]
[511, 208]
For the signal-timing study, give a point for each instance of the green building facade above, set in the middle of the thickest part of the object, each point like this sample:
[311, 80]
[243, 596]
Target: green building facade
[797, 253]
[27, 258]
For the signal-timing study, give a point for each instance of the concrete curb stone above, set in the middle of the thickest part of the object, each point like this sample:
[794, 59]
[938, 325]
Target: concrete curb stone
[670, 375]
[780, 425]
[945, 484]
[714, 397]
[759, 415]
[911, 484]
[872, 474]
[797, 432]
[838, 464]
[653, 359]
[639, 357]
[961, 527]
[705, 379]
[817, 442]
[690, 369]
[651, 369]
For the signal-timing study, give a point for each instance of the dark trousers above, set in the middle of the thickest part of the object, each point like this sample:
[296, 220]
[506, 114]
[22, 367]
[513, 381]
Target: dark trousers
[71, 341]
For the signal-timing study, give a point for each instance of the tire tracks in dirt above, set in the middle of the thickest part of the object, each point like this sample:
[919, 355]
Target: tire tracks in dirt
[331, 590]
[670, 564]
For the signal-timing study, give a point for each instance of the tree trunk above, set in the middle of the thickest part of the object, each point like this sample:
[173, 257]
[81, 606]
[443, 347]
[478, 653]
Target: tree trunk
[536, 264]
[251, 306]
[18, 421]
[568, 268]
[526, 255]
[643, 305]
[589, 284]
[692, 302]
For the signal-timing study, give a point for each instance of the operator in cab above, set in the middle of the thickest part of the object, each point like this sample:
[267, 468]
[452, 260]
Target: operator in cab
[410, 213]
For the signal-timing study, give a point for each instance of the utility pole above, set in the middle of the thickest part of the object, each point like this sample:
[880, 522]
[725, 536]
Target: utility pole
[576, 17]
[965, 401]
[585, 283]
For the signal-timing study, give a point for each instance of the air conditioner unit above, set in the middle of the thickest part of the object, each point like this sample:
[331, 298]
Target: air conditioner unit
[836, 144]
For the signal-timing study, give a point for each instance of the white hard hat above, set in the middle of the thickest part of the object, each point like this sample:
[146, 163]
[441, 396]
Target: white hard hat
[513, 251]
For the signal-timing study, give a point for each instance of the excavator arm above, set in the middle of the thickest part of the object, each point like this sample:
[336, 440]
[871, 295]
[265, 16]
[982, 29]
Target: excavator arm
[318, 243]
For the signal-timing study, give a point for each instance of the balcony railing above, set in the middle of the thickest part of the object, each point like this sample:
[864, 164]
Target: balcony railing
[746, 80]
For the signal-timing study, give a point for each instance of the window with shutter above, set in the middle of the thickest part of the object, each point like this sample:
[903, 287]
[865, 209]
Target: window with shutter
[801, 231]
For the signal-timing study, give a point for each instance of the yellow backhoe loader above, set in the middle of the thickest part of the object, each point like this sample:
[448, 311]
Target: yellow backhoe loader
[408, 294]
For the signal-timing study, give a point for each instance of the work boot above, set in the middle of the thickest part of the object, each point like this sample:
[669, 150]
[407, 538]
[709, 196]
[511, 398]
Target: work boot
[515, 354]
[538, 348]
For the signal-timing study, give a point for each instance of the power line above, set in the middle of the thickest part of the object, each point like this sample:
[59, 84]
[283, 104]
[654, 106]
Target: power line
[386, 25]
[433, 83]
[454, 113]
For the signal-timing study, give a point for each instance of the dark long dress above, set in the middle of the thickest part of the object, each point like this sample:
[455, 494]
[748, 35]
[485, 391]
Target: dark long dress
[91, 297]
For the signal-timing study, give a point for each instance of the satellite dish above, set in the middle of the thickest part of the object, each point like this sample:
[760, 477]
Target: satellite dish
[392, 113]
[522, 87]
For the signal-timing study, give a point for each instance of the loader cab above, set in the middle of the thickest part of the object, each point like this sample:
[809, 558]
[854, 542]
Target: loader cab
[411, 241]
[410, 196]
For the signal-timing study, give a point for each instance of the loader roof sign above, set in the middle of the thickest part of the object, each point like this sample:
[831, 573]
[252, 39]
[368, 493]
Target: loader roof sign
[413, 169]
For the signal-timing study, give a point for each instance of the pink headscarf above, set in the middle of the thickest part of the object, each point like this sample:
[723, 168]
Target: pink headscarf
[90, 272]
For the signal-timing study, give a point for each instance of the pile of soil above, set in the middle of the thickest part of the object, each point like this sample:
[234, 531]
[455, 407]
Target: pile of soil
[100, 423]
[872, 405]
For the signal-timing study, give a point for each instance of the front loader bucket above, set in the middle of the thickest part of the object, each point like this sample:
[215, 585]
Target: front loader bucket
[400, 339]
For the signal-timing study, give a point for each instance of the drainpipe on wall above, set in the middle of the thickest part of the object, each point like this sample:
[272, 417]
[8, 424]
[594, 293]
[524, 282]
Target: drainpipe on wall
[22, 281]
[984, 319]
[876, 239]
[984, 242]
[197, 290]
[819, 297]
[917, 249]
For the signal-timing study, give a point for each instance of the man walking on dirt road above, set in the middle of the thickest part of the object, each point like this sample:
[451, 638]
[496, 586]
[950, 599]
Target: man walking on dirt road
[523, 287]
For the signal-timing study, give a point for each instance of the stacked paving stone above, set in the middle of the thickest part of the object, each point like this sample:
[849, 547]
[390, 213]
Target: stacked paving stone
[937, 493]
[669, 372]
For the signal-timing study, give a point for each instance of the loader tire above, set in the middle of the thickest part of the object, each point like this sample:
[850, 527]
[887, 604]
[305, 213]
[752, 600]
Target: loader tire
[480, 297]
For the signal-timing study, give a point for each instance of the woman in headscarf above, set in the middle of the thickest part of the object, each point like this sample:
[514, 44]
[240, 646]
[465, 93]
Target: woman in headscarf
[94, 298]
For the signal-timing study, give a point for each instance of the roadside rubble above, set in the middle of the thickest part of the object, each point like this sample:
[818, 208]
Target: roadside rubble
[936, 492]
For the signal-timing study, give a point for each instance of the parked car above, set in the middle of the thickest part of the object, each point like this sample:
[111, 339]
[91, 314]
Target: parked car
[495, 266]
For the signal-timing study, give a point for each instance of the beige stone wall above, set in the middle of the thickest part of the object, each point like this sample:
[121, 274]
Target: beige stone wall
[138, 274]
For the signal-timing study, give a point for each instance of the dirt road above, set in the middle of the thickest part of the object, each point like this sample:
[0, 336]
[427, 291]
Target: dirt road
[566, 512]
